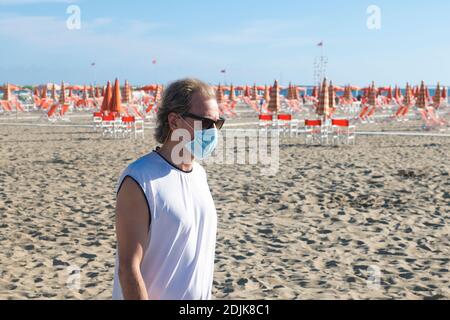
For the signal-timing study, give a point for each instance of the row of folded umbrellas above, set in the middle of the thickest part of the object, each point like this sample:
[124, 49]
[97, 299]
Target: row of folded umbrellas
[324, 96]
[419, 96]
[110, 98]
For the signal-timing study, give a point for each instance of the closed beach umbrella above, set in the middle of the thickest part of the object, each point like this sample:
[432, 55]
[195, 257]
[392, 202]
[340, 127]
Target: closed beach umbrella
[255, 93]
[219, 94]
[266, 94]
[293, 90]
[372, 95]
[126, 93]
[91, 92]
[107, 98]
[323, 107]
[7, 92]
[44, 93]
[437, 97]
[116, 105]
[130, 92]
[232, 94]
[315, 93]
[389, 94]
[415, 92]
[62, 95]
[290, 93]
[345, 95]
[158, 92]
[407, 101]
[444, 94]
[274, 103]
[85, 93]
[397, 93]
[247, 92]
[332, 97]
[422, 101]
[348, 97]
[296, 90]
[54, 97]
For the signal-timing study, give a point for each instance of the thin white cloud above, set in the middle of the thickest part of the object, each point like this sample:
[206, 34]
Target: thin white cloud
[274, 33]
[128, 44]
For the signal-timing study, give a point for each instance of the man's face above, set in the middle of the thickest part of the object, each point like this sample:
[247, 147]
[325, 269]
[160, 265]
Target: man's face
[201, 107]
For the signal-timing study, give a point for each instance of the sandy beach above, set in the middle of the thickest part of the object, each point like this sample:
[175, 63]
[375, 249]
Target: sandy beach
[331, 217]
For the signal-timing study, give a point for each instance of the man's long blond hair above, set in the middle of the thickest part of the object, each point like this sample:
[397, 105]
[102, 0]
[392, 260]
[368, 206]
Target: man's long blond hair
[177, 98]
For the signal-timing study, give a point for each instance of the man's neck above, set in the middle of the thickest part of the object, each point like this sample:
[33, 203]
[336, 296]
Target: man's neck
[166, 152]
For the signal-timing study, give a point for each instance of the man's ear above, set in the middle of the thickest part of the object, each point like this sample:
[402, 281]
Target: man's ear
[173, 121]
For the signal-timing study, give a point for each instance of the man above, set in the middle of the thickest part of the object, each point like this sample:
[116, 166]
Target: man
[165, 216]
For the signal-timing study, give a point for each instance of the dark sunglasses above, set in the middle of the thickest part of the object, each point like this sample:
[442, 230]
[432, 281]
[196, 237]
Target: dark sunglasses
[206, 122]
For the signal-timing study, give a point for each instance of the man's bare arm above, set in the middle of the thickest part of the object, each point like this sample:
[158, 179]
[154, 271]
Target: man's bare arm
[132, 227]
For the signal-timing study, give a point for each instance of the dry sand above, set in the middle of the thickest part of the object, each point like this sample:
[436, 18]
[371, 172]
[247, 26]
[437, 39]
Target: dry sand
[317, 230]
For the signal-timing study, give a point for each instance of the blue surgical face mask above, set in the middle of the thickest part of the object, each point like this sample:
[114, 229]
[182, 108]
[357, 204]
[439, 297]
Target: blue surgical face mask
[204, 143]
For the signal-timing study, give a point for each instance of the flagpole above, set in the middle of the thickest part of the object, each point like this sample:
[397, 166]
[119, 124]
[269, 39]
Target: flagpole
[322, 48]
[93, 65]
[224, 72]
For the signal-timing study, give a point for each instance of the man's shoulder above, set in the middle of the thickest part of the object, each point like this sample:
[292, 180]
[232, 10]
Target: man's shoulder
[142, 160]
[144, 164]
[200, 169]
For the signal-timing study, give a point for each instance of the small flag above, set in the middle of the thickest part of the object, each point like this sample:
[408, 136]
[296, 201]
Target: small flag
[223, 71]
[93, 64]
[320, 44]
[154, 61]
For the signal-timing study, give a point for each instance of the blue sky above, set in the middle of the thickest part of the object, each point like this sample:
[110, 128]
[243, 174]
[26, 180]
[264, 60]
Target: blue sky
[255, 41]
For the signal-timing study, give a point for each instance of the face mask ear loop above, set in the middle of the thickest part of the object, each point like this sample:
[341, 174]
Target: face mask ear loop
[187, 123]
[168, 136]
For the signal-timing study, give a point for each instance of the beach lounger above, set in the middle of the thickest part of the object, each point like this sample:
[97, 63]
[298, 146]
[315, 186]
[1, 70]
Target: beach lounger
[52, 113]
[6, 106]
[149, 109]
[62, 114]
[363, 114]
[402, 113]
[226, 110]
[252, 104]
[19, 106]
[136, 113]
[46, 104]
[435, 117]
[294, 105]
[371, 115]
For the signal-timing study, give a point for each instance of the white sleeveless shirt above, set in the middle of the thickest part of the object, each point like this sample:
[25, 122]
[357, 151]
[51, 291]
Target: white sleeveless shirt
[178, 263]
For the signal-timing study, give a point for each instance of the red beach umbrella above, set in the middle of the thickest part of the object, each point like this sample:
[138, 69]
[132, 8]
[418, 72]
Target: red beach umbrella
[107, 98]
[116, 106]
[274, 103]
